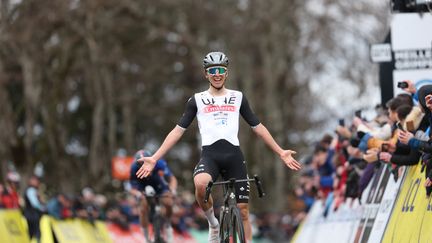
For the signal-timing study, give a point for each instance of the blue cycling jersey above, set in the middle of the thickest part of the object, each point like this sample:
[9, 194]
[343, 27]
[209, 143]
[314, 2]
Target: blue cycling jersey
[157, 179]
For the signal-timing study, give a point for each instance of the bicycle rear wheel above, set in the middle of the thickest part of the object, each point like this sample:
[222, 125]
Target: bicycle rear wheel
[236, 230]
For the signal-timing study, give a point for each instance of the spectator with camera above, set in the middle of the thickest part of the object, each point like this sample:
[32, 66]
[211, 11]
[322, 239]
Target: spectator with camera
[403, 154]
[409, 87]
[423, 143]
[393, 151]
[371, 146]
[368, 141]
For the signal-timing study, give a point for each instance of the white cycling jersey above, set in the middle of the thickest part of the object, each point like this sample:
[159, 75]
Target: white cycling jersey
[218, 116]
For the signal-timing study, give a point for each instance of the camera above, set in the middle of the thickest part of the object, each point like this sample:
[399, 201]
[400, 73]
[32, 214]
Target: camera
[402, 84]
[341, 122]
[384, 147]
[358, 113]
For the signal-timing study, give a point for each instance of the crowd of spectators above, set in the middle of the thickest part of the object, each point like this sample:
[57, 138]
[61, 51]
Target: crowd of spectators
[121, 209]
[343, 163]
[338, 169]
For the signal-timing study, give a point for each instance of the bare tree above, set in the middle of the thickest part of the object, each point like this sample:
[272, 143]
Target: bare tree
[80, 82]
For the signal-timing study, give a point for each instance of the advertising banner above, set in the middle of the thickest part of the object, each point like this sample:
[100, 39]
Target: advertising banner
[77, 230]
[120, 167]
[354, 221]
[386, 198]
[340, 225]
[411, 39]
[135, 235]
[411, 220]
[12, 227]
[369, 208]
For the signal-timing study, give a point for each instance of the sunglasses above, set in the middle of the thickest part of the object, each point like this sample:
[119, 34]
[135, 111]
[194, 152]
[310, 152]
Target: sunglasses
[219, 70]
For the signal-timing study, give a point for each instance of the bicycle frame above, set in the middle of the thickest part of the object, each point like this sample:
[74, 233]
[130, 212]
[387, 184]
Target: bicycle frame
[155, 217]
[230, 220]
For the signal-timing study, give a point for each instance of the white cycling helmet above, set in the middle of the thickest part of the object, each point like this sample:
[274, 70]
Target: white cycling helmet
[215, 59]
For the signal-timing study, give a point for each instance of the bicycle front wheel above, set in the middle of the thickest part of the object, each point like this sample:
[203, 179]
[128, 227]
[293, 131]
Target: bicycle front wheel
[236, 230]
[157, 228]
[225, 222]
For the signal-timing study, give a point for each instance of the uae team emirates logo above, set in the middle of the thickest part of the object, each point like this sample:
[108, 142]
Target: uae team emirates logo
[214, 108]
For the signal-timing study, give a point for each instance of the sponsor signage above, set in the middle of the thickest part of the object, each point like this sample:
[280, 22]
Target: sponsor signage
[411, 41]
[381, 53]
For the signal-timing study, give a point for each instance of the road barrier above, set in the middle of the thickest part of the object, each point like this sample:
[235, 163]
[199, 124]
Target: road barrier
[411, 220]
[13, 229]
[389, 212]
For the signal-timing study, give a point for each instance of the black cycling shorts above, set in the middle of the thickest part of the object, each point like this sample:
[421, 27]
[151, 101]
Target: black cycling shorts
[223, 158]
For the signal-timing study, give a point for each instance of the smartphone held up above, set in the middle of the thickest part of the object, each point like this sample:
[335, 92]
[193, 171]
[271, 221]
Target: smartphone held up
[402, 84]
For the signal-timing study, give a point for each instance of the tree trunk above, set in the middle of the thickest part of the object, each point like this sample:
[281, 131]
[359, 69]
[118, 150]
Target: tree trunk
[128, 126]
[7, 136]
[32, 91]
[96, 155]
[111, 112]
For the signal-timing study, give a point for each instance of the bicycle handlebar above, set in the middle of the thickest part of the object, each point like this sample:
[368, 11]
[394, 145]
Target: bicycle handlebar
[258, 183]
[208, 190]
[232, 181]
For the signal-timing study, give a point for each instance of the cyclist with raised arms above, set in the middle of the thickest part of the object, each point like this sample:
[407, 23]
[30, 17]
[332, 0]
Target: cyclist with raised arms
[161, 182]
[217, 110]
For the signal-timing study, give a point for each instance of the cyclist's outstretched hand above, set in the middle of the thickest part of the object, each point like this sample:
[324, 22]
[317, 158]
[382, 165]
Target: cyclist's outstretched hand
[286, 156]
[147, 166]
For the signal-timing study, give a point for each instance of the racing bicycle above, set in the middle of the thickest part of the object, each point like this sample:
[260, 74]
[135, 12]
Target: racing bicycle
[231, 224]
[156, 217]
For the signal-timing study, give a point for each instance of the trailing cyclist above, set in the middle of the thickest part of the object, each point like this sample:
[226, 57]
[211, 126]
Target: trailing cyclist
[164, 184]
[218, 110]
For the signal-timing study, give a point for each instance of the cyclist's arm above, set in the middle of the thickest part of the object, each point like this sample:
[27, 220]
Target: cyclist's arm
[285, 155]
[134, 181]
[173, 184]
[247, 113]
[268, 139]
[257, 127]
[170, 178]
[264, 134]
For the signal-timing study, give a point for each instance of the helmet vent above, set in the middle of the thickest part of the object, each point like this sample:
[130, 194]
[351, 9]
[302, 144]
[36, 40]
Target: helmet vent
[215, 59]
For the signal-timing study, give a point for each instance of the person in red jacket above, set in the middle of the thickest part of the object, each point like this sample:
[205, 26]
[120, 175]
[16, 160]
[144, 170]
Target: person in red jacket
[2, 189]
[10, 196]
